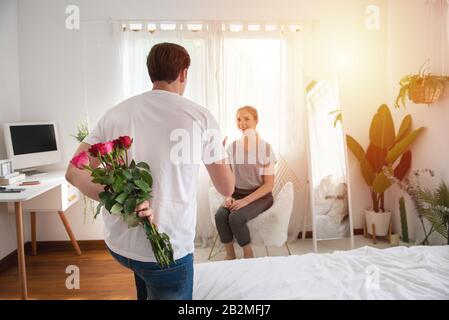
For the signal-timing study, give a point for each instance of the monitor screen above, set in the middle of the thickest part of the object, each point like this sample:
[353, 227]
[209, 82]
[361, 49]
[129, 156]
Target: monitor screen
[28, 139]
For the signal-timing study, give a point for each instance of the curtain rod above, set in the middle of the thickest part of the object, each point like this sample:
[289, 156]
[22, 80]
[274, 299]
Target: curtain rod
[194, 20]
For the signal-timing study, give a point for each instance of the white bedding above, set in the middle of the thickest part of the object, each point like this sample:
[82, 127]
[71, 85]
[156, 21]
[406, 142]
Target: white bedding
[419, 272]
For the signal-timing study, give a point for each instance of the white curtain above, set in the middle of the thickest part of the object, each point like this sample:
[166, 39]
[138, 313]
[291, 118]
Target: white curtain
[228, 70]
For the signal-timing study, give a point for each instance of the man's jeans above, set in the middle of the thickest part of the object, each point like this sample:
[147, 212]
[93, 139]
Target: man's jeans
[154, 283]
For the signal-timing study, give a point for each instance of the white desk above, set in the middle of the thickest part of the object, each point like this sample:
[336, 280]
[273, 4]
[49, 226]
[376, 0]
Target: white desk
[53, 193]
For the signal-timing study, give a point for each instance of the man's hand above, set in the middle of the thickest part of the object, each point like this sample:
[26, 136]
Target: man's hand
[144, 210]
[228, 202]
[238, 204]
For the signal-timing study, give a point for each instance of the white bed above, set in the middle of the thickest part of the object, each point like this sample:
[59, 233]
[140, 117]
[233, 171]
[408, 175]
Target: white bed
[419, 272]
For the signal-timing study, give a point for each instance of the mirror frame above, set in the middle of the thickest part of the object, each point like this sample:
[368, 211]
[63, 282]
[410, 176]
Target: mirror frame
[334, 79]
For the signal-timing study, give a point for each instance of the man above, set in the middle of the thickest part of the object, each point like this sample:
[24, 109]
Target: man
[155, 120]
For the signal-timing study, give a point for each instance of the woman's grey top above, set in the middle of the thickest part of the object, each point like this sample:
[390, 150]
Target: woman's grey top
[250, 165]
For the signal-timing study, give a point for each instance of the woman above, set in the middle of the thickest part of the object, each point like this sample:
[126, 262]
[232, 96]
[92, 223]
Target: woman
[252, 161]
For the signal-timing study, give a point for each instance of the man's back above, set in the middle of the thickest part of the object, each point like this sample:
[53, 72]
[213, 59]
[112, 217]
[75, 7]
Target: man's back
[172, 135]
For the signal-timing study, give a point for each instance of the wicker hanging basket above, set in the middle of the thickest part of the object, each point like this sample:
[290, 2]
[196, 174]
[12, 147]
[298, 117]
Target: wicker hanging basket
[423, 93]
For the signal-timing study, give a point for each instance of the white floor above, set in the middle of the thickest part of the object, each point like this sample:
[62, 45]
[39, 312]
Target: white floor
[297, 247]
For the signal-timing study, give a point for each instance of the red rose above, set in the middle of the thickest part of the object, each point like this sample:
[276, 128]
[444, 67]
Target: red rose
[125, 142]
[106, 148]
[101, 149]
[80, 161]
[117, 144]
[94, 150]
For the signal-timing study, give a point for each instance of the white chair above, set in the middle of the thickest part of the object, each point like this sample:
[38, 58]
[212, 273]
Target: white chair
[270, 228]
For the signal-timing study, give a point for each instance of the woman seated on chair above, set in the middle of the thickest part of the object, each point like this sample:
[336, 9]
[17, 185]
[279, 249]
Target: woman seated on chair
[252, 161]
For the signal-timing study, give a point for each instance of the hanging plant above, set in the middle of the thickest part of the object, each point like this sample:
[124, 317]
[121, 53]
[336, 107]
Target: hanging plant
[421, 88]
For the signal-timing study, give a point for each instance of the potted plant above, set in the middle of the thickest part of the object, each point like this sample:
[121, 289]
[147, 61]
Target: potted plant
[432, 206]
[421, 88]
[384, 150]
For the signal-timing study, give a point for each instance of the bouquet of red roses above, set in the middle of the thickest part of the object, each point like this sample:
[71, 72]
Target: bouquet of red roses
[126, 186]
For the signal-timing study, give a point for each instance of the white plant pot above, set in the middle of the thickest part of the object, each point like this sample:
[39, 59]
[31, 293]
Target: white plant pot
[381, 220]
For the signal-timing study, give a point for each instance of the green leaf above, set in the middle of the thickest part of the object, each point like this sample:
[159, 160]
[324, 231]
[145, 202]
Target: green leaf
[136, 174]
[128, 175]
[376, 157]
[357, 150]
[109, 203]
[381, 183]
[143, 165]
[98, 172]
[116, 208]
[382, 134]
[108, 180]
[142, 185]
[404, 165]
[132, 164]
[129, 187]
[130, 205]
[98, 210]
[97, 180]
[105, 196]
[405, 128]
[118, 185]
[147, 177]
[402, 146]
[121, 197]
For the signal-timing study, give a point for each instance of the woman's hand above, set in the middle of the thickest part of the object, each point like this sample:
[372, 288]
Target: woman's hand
[238, 204]
[144, 210]
[228, 202]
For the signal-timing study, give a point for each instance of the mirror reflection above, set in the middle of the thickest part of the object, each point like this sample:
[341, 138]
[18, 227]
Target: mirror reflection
[327, 152]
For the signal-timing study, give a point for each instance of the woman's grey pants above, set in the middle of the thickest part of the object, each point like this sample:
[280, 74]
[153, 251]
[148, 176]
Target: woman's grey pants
[233, 224]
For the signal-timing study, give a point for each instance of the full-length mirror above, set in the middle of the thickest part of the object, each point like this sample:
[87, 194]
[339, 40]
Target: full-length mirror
[331, 218]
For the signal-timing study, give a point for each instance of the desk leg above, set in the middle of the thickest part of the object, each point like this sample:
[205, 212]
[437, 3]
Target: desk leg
[33, 233]
[21, 251]
[69, 232]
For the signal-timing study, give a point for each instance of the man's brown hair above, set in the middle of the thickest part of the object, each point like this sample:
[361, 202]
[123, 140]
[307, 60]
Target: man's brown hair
[166, 60]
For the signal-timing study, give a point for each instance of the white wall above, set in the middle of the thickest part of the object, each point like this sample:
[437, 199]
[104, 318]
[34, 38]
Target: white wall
[54, 73]
[9, 104]
[409, 45]
[53, 83]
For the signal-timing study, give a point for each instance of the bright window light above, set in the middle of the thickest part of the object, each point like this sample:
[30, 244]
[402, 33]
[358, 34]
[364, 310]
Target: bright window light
[236, 27]
[254, 27]
[168, 26]
[271, 27]
[135, 26]
[195, 26]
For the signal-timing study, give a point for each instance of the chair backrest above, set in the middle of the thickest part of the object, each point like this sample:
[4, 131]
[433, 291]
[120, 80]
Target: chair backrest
[284, 174]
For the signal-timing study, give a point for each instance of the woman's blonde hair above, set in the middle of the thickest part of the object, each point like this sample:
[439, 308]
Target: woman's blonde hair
[251, 110]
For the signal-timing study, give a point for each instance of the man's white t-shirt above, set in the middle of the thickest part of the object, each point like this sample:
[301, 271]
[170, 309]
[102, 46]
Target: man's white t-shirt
[173, 135]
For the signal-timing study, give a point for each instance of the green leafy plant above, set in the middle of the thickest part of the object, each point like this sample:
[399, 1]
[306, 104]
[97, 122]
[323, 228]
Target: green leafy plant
[404, 226]
[83, 131]
[385, 149]
[432, 206]
[421, 88]
[338, 116]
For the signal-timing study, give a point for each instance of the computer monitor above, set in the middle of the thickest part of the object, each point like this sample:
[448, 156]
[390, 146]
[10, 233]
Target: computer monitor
[32, 144]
